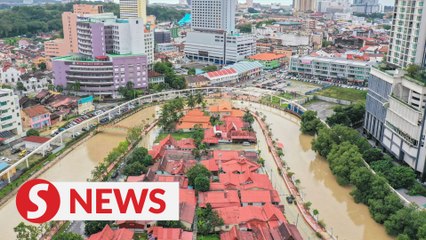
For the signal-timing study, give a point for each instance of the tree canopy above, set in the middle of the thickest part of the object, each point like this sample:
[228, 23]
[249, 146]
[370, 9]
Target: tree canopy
[310, 124]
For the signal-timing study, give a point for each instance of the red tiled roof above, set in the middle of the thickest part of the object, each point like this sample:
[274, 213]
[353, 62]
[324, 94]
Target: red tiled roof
[36, 139]
[161, 233]
[222, 72]
[108, 234]
[136, 178]
[235, 234]
[219, 199]
[238, 215]
[36, 110]
[224, 106]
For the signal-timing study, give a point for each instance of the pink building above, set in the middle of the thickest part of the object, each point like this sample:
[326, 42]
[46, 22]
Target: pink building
[69, 44]
[36, 117]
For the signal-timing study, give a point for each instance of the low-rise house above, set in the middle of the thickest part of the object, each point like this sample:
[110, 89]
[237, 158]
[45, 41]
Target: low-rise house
[108, 234]
[36, 117]
[187, 205]
[33, 142]
[246, 181]
[259, 197]
[197, 81]
[160, 233]
[192, 119]
[219, 199]
[169, 143]
[233, 130]
[135, 226]
[269, 60]
[155, 77]
[243, 217]
[222, 77]
[246, 70]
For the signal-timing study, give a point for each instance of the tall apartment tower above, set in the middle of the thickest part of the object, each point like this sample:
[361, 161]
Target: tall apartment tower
[408, 33]
[395, 108]
[304, 5]
[213, 15]
[133, 9]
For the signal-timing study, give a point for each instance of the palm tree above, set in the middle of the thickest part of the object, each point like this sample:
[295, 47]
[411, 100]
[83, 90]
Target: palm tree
[191, 101]
[199, 98]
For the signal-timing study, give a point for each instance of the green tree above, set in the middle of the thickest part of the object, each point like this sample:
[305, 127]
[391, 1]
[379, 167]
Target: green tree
[171, 224]
[20, 86]
[362, 179]
[190, 101]
[133, 134]
[214, 120]
[382, 209]
[33, 132]
[245, 28]
[248, 117]
[67, 236]
[208, 220]
[372, 155]
[344, 159]
[92, 227]
[199, 98]
[42, 66]
[210, 68]
[191, 71]
[27, 232]
[134, 169]
[310, 123]
[401, 177]
[195, 171]
[202, 183]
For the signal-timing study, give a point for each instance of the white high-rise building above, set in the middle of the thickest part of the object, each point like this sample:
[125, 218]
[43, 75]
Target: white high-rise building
[133, 9]
[10, 115]
[213, 37]
[213, 15]
[149, 47]
[408, 33]
[395, 108]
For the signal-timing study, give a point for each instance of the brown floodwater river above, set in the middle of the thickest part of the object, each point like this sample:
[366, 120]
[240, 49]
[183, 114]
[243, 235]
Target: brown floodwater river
[78, 164]
[343, 217]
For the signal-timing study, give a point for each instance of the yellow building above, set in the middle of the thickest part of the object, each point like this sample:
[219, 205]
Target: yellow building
[133, 9]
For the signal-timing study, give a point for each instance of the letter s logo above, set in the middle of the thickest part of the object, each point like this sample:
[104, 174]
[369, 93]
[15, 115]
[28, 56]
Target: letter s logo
[38, 201]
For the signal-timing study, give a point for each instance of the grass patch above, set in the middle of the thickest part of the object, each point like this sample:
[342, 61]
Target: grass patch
[208, 237]
[141, 236]
[175, 135]
[274, 101]
[349, 94]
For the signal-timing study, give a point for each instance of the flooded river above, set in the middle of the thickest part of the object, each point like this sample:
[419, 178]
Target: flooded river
[78, 164]
[346, 219]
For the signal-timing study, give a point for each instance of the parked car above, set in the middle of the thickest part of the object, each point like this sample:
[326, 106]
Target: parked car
[15, 150]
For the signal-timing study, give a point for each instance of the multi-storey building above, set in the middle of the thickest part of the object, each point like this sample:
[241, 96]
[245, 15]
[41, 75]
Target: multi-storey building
[133, 9]
[408, 33]
[213, 38]
[111, 54]
[149, 47]
[365, 6]
[69, 44]
[212, 47]
[10, 116]
[213, 15]
[162, 36]
[331, 68]
[395, 107]
[305, 5]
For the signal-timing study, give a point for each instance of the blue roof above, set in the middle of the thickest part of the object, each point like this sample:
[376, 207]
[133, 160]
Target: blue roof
[185, 20]
[289, 23]
[3, 166]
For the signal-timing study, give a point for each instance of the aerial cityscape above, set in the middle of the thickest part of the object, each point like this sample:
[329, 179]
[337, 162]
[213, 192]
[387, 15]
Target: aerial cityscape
[275, 119]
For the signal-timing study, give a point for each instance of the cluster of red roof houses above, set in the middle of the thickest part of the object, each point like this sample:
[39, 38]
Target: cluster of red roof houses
[244, 198]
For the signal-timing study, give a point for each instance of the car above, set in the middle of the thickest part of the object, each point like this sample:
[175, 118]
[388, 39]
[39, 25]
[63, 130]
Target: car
[246, 144]
[15, 150]
[23, 153]
[3, 159]
[114, 174]
[290, 199]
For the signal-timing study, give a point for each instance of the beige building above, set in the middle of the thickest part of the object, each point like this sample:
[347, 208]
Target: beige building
[133, 9]
[305, 5]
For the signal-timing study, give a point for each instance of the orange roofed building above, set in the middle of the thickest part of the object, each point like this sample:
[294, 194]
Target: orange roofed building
[108, 234]
[160, 233]
[222, 199]
[224, 108]
[193, 118]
